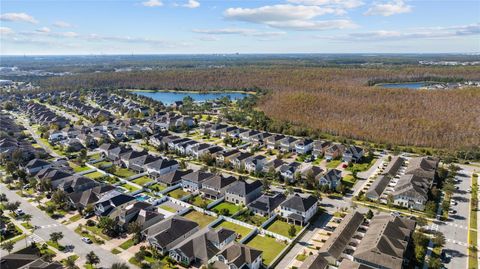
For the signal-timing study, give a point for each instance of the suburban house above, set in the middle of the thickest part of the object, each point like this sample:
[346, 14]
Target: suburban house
[127, 157]
[161, 167]
[353, 154]
[172, 178]
[273, 166]
[273, 141]
[378, 186]
[250, 136]
[142, 213]
[200, 249]
[82, 199]
[243, 192]
[255, 163]
[266, 204]
[111, 202]
[288, 144]
[333, 152]
[226, 157]
[319, 148]
[74, 183]
[238, 162]
[214, 187]
[288, 171]
[238, 256]
[217, 129]
[169, 232]
[425, 167]
[35, 165]
[332, 178]
[304, 146]
[299, 209]
[194, 180]
[138, 164]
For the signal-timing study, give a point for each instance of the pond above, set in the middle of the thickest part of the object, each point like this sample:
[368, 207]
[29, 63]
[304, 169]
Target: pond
[170, 97]
[406, 85]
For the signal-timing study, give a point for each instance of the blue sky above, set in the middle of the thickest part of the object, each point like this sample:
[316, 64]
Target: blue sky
[200, 26]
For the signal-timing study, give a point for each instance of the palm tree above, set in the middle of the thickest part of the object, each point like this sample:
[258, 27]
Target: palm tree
[27, 218]
[119, 265]
[92, 258]
[8, 246]
[70, 263]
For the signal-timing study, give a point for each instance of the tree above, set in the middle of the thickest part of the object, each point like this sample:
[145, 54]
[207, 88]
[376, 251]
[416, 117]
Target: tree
[107, 225]
[70, 263]
[27, 218]
[12, 206]
[292, 230]
[439, 239]
[434, 263]
[8, 246]
[369, 214]
[10, 167]
[266, 184]
[56, 236]
[92, 258]
[135, 229]
[421, 221]
[119, 265]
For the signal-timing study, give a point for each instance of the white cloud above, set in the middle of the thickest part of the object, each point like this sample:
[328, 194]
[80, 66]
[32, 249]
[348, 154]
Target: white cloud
[422, 33]
[62, 24]
[6, 31]
[43, 30]
[342, 3]
[18, 17]
[152, 3]
[389, 8]
[295, 17]
[192, 4]
[237, 31]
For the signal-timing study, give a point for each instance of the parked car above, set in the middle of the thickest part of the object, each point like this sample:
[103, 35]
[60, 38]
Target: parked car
[86, 240]
[19, 212]
[451, 211]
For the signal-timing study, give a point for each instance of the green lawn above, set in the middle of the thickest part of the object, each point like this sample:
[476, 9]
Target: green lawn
[95, 156]
[94, 175]
[129, 187]
[116, 251]
[253, 219]
[75, 218]
[242, 231]
[472, 236]
[168, 208]
[363, 165]
[127, 244]
[198, 200]
[142, 180]
[177, 193]
[232, 208]
[348, 181]
[281, 227]
[269, 245]
[333, 164]
[123, 172]
[157, 187]
[102, 164]
[77, 168]
[200, 218]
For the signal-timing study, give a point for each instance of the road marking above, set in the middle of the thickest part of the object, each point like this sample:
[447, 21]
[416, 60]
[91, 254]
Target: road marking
[35, 238]
[49, 226]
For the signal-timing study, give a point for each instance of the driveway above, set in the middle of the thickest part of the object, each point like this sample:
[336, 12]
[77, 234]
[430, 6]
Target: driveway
[48, 225]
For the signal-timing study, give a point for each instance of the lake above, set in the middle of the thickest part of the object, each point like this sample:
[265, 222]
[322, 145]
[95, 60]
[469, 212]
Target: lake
[169, 97]
[408, 85]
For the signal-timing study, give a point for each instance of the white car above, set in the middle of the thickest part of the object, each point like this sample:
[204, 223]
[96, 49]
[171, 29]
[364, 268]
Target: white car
[19, 212]
[86, 240]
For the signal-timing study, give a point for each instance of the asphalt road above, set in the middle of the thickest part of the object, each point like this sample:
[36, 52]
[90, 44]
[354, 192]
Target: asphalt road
[48, 225]
[456, 228]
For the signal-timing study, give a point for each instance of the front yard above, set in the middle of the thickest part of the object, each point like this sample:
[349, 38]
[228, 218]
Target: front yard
[200, 218]
[269, 245]
[333, 164]
[226, 208]
[282, 228]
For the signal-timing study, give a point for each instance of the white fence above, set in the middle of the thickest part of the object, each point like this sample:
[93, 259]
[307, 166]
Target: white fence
[216, 202]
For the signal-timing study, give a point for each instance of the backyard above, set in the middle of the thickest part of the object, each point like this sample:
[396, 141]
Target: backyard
[281, 227]
[177, 193]
[123, 172]
[251, 218]
[200, 218]
[224, 206]
[269, 245]
[240, 230]
[333, 164]
[157, 187]
[94, 175]
[129, 187]
[199, 201]
[142, 180]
